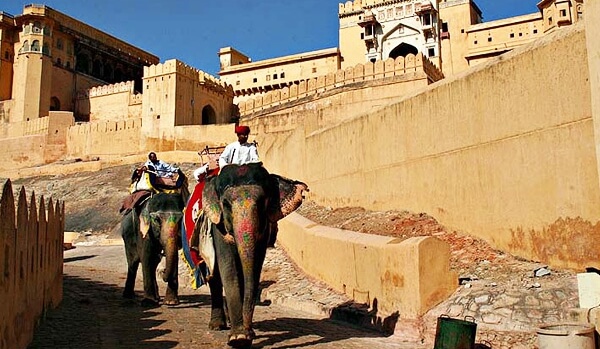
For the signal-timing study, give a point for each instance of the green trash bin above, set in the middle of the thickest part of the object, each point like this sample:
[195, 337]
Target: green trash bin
[455, 333]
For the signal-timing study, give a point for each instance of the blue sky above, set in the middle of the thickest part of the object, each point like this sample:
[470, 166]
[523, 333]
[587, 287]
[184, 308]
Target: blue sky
[193, 31]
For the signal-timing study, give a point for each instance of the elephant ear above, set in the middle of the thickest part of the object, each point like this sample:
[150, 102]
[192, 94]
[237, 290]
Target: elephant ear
[288, 196]
[210, 201]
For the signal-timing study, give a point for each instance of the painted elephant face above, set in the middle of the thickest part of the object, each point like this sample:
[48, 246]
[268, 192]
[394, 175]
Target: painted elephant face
[240, 188]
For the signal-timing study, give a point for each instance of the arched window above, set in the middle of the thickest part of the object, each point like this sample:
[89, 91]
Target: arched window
[118, 75]
[108, 72]
[97, 68]
[82, 63]
[208, 115]
[403, 50]
[54, 104]
[35, 46]
[25, 47]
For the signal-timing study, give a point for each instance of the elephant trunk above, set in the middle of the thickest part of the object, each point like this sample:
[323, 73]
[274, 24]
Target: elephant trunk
[246, 228]
[171, 236]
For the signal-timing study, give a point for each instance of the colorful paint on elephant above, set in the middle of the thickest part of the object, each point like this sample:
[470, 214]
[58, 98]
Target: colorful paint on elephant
[242, 203]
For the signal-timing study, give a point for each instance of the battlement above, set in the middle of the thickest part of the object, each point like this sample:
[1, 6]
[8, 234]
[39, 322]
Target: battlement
[356, 6]
[104, 90]
[174, 66]
[390, 68]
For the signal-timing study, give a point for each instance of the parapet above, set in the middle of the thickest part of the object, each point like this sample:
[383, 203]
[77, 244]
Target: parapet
[174, 66]
[127, 86]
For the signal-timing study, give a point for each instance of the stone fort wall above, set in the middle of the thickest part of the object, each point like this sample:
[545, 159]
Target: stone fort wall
[402, 67]
[111, 102]
[505, 151]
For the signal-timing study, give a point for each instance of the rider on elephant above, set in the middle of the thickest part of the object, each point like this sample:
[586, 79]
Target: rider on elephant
[240, 152]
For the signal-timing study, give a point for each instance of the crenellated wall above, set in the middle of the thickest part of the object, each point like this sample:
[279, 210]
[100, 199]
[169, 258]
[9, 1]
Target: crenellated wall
[120, 137]
[34, 142]
[114, 102]
[405, 70]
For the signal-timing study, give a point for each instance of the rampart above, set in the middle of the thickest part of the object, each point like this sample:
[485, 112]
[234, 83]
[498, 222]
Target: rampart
[100, 138]
[175, 66]
[399, 71]
[34, 142]
[504, 151]
[31, 241]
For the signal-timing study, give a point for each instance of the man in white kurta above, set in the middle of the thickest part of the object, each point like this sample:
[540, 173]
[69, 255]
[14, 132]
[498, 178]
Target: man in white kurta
[240, 152]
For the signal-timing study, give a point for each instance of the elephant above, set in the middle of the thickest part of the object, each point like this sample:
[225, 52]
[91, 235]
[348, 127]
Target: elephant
[149, 231]
[243, 203]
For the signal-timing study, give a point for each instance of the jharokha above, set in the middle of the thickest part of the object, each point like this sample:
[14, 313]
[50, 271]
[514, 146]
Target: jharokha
[69, 90]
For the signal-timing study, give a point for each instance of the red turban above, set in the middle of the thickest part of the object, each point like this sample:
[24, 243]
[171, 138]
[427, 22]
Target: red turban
[242, 130]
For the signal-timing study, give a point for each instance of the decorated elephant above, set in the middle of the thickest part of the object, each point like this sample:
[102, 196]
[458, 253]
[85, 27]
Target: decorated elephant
[243, 203]
[149, 232]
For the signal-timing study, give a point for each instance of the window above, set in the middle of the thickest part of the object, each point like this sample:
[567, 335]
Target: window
[255, 80]
[475, 42]
[535, 31]
[314, 70]
[520, 34]
[427, 19]
[362, 36]
[369, 30]
[399, 11]
[59, 44]
[274, 76]
[512, 35]
[282, 75]
[25, 47]
[268, 78]
[6, 55]
[35, 46]
[549, 20]
[462, 31]
[237, 83]
[37, 27]
[490, 39]
[431, 52]
[68, 65]
[59, 62]
[444, 27]
[563, 13]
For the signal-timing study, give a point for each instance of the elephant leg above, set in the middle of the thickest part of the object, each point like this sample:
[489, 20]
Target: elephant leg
[132, 268]
[150, 260]
[131, 253]
[217, 311]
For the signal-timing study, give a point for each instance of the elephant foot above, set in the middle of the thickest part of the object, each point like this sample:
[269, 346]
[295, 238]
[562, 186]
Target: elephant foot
[218, 320]
[171, 302]
[171, 298]
[150, 303]
[217, 325]
[240, 340]
[129, 294]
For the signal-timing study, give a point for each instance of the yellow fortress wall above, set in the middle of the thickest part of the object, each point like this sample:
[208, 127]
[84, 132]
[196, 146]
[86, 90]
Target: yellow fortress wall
[504, 151]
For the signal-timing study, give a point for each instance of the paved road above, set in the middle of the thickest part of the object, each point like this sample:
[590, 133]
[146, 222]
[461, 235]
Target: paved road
[94, 315]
